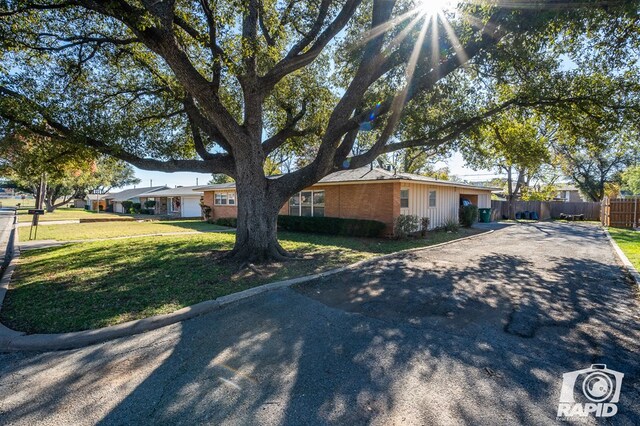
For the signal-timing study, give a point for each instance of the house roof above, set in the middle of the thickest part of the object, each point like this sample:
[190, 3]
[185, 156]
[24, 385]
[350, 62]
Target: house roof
[180, 191]
[229, 185]
[566, 187]
[127, 194]
[368, 174]
[95, 197]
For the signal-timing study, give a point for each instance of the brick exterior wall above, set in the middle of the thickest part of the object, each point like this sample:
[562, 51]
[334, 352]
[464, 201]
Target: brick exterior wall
[219, 211]
[373, 201]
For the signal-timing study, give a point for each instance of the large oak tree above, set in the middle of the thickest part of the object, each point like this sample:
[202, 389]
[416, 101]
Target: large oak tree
[219, 86]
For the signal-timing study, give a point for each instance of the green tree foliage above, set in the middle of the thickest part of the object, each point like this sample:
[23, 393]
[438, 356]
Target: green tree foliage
[62, 171]
[511, 144]
[219, 87]
[218, 178]
[631, 180]
[595, 161]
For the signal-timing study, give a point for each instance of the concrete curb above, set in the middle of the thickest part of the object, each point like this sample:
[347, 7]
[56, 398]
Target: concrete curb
[11, 341]
[624, 259]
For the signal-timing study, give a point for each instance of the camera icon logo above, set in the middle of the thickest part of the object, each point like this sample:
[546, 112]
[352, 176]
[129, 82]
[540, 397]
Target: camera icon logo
[597, 389]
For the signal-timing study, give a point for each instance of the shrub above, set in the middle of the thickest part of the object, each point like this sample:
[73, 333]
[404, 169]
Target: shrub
[146, 211]
[231, 222]
[149, 204]
[206, 211]
[331, 225]
[468, 215]
[135, 208]
[451, 226]
[127, 205]
[424, 225]
[405, 225]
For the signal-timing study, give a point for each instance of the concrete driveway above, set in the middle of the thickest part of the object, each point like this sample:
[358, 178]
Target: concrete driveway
[475, 332]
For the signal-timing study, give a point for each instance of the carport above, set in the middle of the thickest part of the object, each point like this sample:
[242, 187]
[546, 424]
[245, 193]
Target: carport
[471, 197]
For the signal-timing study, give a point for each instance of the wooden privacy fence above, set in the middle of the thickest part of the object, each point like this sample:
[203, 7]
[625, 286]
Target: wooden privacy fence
[621, 212]
[547, 209]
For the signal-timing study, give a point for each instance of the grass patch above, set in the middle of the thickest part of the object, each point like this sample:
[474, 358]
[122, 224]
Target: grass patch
[12, 202]
[87, 231]
[629, 242]
[91, 285]
[64, 214]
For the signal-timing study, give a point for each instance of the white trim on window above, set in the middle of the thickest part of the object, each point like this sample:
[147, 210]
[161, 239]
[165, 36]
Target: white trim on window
[404, 196]
[224, 199]
[297, 203]
[433, 198]
[220, 199]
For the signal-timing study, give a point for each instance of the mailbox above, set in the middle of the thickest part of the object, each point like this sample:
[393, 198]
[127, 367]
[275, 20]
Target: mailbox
[36, 211]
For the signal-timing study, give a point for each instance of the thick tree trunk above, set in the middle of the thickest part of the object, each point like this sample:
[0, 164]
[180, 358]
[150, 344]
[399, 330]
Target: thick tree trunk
[49, 205]
[256, 233]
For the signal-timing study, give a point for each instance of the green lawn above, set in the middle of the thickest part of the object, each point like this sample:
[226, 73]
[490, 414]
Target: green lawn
[90, 285]
[11, 202]
[87, 231]
[629, 242]
[65, 214]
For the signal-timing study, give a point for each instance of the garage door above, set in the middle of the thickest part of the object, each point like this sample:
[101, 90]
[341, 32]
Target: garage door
[191, 207]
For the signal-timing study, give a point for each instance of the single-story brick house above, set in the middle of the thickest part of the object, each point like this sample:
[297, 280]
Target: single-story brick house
[366, 193]
[114, 201]
[183, 201]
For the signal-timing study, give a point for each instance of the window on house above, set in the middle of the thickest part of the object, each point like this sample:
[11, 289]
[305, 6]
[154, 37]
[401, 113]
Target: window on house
[232, 199]
[221, 199]
[432, 198]
[404, 198]
[294, 205]
[307, 203]
[318, 203]
[173, 204]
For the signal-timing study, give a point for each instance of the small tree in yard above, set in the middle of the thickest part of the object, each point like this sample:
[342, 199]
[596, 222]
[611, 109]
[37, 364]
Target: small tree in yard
[56, 173]
[224, 87]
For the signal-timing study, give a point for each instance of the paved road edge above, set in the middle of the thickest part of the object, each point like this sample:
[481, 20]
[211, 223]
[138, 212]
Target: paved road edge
[6, 271]
[624, 259]
[12, 341]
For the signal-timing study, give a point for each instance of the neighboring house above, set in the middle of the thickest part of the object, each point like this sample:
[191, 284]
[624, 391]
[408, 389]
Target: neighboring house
[183, 201]
[114, 200]
[568, 193]
[96, 202]
[79, 203]
[366, 193]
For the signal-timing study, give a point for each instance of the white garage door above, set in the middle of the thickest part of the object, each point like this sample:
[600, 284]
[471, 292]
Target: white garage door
[117, 208]
[191, 207]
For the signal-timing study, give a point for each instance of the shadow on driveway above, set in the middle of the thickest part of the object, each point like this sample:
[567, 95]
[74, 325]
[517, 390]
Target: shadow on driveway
[474, 332]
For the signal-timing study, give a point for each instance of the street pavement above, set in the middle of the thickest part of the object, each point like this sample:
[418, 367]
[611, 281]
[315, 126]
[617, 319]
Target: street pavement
[476, 332]
[6, 223]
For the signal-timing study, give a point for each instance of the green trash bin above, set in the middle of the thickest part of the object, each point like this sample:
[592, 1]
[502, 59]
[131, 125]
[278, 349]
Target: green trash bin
[485, 215]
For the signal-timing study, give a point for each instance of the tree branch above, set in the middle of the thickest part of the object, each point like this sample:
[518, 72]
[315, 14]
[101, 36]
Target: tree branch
[295, 60]
[217, 163]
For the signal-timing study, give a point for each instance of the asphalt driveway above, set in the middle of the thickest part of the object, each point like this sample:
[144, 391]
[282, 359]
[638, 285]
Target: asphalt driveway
[475, 332]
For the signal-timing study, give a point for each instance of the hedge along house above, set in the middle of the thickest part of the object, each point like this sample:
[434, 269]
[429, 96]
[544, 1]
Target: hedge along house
[114, 201]
[183, 201]
[367, 193]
